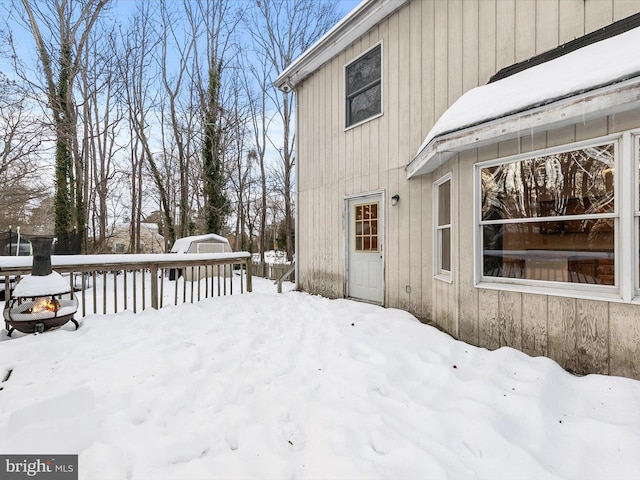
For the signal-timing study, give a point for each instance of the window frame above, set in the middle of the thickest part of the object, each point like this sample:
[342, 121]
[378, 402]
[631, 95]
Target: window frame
[348, 126]
[438, 271]
[622, 163]
[635, 211]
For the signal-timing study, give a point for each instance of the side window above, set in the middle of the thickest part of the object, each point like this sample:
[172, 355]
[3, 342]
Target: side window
[363, 87]
[636, 210]
[442, 240]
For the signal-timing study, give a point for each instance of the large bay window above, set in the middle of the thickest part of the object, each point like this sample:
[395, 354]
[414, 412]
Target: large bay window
[551, 217]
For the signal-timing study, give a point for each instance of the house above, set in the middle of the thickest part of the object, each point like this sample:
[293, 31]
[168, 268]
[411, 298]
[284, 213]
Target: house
[476, 164]
[150, 240]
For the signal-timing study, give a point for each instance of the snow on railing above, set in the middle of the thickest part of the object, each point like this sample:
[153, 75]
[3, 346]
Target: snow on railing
[135, 281]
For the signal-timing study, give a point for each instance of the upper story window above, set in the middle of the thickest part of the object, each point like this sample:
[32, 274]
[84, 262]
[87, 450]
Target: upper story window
[551, 217]
[363, 87]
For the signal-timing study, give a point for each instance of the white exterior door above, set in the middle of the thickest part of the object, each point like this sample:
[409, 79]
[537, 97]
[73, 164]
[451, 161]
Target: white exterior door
[365, 273]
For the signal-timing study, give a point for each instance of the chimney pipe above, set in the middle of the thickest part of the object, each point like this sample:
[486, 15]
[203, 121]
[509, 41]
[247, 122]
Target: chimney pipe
[41, 247]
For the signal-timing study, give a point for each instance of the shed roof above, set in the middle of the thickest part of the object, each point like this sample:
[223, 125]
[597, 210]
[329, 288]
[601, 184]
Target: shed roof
[599, 78]
[182, 245]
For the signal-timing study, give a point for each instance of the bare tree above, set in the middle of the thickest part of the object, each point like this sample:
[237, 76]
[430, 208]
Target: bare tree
[282, 30]
[101, 116]
[139, 69]
[61, 30]
[177, 46]
[215, 60]
[255, 80]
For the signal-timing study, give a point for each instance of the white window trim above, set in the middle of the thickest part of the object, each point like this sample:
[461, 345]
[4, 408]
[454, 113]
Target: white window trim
[344, 87]
[625, 288]
[634, 214]
[438, 272]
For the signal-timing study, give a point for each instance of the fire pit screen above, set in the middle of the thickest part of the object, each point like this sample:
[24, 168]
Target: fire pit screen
[43, 300]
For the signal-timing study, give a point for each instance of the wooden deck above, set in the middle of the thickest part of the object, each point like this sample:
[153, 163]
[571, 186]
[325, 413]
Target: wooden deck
[110, 283]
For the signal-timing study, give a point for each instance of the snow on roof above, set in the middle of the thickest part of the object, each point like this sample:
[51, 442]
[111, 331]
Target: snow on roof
[182, 245]
[597, 65]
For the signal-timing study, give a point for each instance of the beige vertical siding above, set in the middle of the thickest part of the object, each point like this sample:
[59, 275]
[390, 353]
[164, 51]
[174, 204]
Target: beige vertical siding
[433, 52]
[584, 336]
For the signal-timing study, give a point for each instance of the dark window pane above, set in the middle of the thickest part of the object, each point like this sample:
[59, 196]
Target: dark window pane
[579, 182]
[367, 243]
[444, 203]
[358, 243]
[364, 71]
[580, 251]
[445, 248]
[374, 243]
[365, 105]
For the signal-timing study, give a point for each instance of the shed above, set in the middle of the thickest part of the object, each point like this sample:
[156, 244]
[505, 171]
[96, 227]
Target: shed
[207, 243]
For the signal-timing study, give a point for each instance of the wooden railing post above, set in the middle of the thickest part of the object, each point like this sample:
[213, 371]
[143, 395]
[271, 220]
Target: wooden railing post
[154, 287]
[248, 269]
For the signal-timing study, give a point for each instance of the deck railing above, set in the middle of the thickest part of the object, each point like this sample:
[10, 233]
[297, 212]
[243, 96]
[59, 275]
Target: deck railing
[115, 282]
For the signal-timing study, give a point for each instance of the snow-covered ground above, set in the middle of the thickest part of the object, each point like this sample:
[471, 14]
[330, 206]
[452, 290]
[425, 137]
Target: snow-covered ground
[287, 386]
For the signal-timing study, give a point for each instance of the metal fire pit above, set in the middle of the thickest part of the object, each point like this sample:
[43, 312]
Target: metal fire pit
[43, 300]
[39, 314]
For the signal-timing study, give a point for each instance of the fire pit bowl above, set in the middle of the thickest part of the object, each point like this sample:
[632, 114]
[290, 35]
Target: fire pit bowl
[43, 300]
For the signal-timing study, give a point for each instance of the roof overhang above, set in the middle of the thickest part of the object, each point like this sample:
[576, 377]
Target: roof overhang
[599, 102]
[359, 21]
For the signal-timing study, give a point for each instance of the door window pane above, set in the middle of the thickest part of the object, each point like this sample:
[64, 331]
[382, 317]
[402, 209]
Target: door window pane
[366, 227]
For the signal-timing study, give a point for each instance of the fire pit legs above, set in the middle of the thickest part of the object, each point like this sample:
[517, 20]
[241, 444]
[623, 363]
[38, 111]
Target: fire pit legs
[39, 327]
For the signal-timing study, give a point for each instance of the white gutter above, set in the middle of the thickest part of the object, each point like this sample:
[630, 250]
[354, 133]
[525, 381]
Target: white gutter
[359, 21]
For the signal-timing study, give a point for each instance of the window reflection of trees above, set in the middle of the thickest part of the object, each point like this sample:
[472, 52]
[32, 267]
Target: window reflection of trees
[578, 182]
[565, 202]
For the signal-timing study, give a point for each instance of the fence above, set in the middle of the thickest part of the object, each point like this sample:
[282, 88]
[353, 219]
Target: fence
[13, 242]
[135, 281]
[272, 271]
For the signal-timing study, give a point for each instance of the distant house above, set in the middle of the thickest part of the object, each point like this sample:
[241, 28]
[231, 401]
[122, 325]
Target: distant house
[150, 240]
[476, 163]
